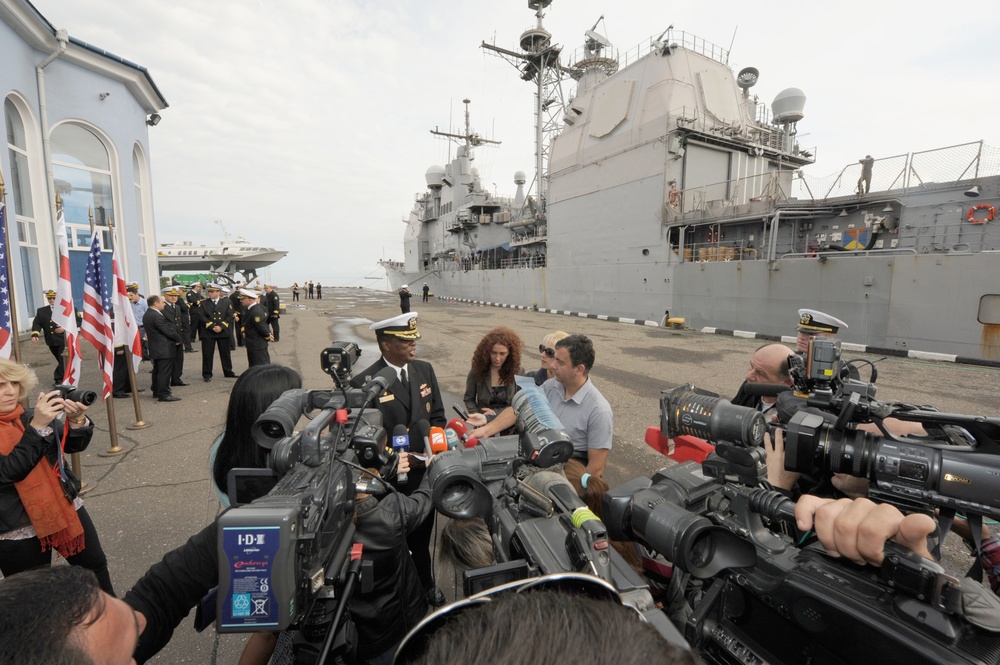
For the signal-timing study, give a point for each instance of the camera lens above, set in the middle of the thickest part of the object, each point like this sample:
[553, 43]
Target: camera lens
[712, 418]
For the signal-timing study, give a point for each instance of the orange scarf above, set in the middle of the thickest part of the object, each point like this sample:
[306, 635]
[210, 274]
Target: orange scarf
[55, 520]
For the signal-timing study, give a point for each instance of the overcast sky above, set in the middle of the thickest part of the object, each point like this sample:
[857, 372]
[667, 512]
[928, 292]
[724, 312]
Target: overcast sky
[304, 124]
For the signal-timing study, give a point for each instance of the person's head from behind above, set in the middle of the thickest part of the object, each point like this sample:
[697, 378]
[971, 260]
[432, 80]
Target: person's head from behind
[499, 349]
[550, 627]
[253, 392]
[60, 616]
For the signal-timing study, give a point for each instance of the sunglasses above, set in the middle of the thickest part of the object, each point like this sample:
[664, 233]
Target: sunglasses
[548, 351]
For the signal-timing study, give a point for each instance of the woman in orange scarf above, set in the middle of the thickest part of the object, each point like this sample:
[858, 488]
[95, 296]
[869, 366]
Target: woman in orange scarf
[40, 509]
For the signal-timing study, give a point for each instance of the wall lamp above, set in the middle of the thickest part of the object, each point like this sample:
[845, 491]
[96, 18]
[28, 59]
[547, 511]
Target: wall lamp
[153, 120]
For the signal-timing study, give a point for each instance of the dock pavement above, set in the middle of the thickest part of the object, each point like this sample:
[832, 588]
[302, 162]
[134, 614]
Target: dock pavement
[151, 497]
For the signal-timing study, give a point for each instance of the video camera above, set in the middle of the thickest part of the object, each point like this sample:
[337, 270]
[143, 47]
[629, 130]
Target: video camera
[749, 596]
[283, 555]
[538, 523]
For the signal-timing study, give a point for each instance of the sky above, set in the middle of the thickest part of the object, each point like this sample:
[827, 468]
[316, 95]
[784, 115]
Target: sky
[304, 124]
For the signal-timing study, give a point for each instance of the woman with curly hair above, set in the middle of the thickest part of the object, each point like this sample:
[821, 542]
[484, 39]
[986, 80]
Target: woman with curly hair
[490, 386]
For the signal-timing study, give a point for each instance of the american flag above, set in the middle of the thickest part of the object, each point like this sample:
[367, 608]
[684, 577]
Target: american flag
[126, 327]
[5, 345]
[63, 312]
[96, 327]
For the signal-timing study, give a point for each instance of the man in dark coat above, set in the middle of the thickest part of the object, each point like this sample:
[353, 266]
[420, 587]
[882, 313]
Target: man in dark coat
[181, 321]
[404, 299]
[216, 321]
[55, 336]
[194, 298]
[164, 340]
[238, 312]
[254, 329]
[412, 397]
[272, 303]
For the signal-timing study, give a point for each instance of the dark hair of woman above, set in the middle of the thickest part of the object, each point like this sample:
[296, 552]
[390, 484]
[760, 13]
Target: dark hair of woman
[592, 495]
[252, 394]
[481, 356]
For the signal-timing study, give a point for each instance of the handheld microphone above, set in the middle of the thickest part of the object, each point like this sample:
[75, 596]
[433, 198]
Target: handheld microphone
[452, 437]
[422, 432]
[462, 430]
[438, 440]
[401, 444]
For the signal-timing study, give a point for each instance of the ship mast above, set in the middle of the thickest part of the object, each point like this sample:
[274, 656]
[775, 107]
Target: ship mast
[538, 62]
[471, 139]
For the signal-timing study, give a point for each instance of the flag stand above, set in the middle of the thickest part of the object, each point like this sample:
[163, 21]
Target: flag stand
[14, 339]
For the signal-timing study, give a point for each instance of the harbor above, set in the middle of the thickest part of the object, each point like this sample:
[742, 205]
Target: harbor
[157, 492]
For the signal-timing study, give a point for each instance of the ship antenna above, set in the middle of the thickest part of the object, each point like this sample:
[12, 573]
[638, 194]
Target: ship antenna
[538, 61]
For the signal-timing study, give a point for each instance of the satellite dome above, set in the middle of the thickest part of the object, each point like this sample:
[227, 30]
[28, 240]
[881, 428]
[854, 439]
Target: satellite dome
[788, 105]
[434, 176]
[520, 178]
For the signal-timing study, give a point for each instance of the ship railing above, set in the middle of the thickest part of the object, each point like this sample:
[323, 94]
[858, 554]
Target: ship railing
[928, 170]
[760, 134]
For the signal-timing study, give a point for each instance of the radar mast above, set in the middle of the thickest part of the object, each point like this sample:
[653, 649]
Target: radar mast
[538, 62]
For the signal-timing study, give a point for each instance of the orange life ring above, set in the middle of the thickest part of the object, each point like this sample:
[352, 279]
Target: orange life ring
[991, 212]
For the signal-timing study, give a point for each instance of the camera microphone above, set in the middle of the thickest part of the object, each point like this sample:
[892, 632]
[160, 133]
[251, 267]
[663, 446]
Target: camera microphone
[378, 383]
[401, 444]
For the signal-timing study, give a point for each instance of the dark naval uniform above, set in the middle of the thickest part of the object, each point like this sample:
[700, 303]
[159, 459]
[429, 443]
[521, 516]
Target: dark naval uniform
[406, 405]
[194, 299]
[216, 315]
[255, 335]
[45, 326]
[173, 313]
[185, 313]
[272, 303]
[164, 340]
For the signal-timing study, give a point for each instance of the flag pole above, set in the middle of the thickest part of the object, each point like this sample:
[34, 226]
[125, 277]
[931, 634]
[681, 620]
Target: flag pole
[74, 458]
[109, 403]
[137, 407]
[15, 341]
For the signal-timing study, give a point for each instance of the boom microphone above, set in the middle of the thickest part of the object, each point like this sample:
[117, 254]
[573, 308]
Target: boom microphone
[401, 444]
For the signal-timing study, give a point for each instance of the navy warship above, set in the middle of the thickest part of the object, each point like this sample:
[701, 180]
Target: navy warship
[670, 189]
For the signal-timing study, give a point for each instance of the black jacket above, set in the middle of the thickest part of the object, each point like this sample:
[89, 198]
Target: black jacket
[254, 327]
[272, 303]
[25, 456]
[161, 333]
[43, 324]
[422, 402]
[212, 315]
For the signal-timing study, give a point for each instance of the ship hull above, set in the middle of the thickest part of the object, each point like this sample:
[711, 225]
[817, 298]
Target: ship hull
[905, 302]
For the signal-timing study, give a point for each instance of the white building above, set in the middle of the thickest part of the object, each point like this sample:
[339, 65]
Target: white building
[77, 120]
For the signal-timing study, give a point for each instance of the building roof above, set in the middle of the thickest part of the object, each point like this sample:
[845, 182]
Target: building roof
[36, 30]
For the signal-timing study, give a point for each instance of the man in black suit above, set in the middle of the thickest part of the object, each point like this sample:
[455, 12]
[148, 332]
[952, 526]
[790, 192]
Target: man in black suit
[273, 306]
[216, 322]
[164, 340]
[412, 397]
[55, 336]
[254, 329]
[181, 320]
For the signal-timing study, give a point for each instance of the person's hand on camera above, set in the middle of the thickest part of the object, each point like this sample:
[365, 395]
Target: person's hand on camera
[858, 529]
[48, 407]
[774, 446]
[75, 412]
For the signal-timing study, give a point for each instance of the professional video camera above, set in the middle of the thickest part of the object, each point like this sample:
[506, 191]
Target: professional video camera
[283, 555]
[74, 394]
[538, 523]
[749, 595]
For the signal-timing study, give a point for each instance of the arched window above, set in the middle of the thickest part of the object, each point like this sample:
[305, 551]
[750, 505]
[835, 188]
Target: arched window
[81, 168]
[23, 207]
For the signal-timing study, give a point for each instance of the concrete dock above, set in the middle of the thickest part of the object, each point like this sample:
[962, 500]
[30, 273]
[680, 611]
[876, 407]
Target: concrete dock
[153, 496]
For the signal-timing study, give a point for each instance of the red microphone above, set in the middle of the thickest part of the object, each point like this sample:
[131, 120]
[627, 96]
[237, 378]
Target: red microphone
[462, 430]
